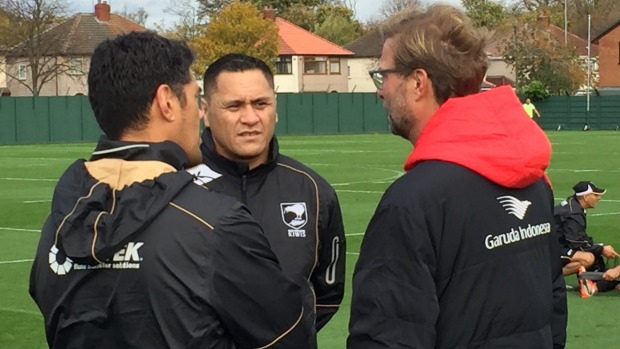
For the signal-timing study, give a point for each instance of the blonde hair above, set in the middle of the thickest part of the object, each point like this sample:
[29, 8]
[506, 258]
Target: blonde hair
[443, 42]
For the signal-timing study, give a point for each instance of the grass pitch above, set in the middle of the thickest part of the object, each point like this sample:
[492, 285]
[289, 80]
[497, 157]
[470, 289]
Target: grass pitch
[360, 167]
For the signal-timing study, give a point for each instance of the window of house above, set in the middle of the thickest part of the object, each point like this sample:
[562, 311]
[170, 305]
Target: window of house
[334, 65]
[315, 65]
[284, 65]
[74, 66]
[22, 69]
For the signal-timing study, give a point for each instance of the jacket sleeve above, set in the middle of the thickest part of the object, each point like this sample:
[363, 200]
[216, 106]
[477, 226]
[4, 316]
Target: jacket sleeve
[559, 318]
[257, 303]
[394, 303]
[329, 273]
[576, 236]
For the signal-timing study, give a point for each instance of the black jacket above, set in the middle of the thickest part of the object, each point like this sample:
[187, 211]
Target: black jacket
[570, 219]
[136, 255]
[300, 215]
[460, 252]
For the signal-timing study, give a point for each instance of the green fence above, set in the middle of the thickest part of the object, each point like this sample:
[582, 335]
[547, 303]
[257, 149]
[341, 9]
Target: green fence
[572, 112]
[25, 120]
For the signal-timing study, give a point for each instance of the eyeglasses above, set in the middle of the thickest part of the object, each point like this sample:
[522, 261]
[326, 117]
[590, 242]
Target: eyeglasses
[378, 75]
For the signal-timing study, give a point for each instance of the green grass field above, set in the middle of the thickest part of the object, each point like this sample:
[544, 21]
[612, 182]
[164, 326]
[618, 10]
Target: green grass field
[359, 166]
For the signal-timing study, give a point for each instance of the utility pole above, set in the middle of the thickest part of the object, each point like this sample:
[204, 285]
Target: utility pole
[565, 22]
[514, 32]
[587, 127]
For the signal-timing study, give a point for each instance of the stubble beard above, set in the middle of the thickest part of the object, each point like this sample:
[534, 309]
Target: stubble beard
[399, 125]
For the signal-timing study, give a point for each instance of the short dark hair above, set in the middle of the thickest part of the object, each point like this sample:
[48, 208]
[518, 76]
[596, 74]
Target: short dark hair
[234, 62]
[125, 73]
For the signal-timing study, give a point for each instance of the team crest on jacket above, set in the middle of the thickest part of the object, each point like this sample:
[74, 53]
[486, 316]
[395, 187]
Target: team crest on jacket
[295, 216]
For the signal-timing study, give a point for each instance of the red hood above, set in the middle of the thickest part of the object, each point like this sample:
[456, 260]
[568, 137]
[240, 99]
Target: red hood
[489, 133]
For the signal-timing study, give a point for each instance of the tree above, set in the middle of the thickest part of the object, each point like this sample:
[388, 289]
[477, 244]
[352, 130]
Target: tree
[238, 28]
[189, 22]
[337, 29]
[336, 22]
[282, 5]
[140, 16]
[31, 44]
[484, 13]
[333, 20]
[535, 55]
[213, 6]
[536, 5]
[390, 7]
[603, 13]
[301, 15]
[208, 7]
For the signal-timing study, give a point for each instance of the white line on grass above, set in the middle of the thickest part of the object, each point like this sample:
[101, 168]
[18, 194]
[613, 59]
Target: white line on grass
[20, 311]
[354, 234]
[41, 159]
[603, 200]
[28, 179]
[17, 261]
[578, 170]
[604, 214]
[359, 191]
[20, 229]
[380, 180]
[36, 201]
[354, 253]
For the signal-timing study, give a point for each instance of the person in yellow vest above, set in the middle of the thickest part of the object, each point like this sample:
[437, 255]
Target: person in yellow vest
[530, 108]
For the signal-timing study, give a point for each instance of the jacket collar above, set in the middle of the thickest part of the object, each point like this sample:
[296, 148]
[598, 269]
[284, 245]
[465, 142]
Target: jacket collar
[235, 168]
[168, 152]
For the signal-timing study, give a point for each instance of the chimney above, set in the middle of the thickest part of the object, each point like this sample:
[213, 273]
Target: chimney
[269, 13]
[544, 19]
[102, 11]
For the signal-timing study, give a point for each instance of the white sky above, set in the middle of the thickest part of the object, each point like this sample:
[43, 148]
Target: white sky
[365, 9]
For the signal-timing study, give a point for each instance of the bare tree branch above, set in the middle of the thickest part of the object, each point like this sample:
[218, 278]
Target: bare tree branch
[29, 41]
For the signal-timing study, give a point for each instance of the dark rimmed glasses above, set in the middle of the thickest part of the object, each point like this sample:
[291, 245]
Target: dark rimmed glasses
[378, 75]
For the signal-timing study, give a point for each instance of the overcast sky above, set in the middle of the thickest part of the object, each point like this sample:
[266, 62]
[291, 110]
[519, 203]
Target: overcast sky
[365, 9]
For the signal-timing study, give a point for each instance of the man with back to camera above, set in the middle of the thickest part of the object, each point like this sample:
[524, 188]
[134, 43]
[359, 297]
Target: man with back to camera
[136, 253]
[578, 251]
[459, 253]
[297, 209]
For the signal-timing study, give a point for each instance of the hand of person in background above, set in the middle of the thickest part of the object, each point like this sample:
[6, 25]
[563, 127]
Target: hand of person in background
[609, 252]
[612, 274]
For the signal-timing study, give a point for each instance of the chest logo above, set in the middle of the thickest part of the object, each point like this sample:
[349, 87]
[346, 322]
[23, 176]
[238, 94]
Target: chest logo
[514, 206]
[295, 216]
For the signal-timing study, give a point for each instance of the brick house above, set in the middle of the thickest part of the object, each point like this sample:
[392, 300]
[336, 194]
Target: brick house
[307, 62]
[71, 44]
[608, 42]
[367, 49]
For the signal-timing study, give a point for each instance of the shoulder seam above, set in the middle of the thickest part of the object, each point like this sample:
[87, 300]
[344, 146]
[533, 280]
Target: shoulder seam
[191, 214]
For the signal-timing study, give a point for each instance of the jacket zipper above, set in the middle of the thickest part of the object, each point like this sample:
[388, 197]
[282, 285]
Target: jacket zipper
[244, 181]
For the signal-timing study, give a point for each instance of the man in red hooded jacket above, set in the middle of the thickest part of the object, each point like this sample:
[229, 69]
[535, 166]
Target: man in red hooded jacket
[460, 252]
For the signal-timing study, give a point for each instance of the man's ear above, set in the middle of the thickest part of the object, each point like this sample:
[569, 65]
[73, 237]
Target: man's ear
[164, 100]
[420, 83]
[204, 111]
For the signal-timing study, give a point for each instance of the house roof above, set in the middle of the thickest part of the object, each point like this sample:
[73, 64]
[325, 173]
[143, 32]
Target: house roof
[580, 44]
[80, 34]
[606, 30]
[294, 40]
[497, 42]
[368, 45]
